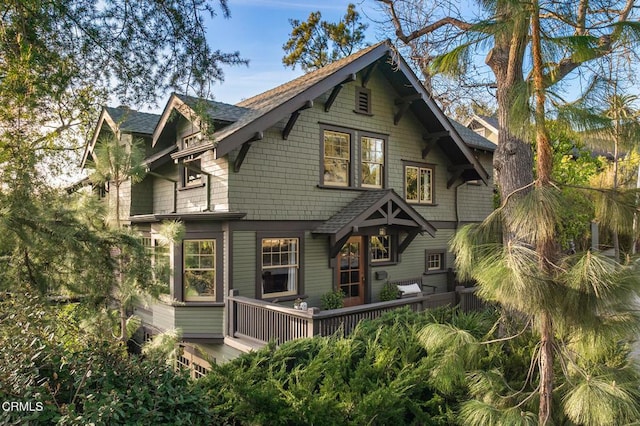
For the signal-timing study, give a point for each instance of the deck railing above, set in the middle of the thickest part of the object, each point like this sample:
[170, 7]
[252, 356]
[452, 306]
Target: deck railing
[259, 322]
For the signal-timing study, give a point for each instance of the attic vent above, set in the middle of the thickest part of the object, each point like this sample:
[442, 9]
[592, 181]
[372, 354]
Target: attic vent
[363, 100]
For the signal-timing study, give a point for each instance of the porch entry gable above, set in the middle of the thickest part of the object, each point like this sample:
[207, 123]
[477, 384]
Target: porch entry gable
[374, 208]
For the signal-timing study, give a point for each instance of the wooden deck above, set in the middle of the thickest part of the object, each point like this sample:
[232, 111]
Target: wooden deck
[256, 322]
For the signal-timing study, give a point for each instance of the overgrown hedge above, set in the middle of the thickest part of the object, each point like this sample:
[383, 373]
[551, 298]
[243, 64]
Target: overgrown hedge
[82, 379]
[379, 375]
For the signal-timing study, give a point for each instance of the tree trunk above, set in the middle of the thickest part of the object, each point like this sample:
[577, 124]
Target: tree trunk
[513, 159]
[546, 369]
[546, 248]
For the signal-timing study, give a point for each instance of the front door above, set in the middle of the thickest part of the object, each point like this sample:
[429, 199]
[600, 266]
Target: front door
[351, 271]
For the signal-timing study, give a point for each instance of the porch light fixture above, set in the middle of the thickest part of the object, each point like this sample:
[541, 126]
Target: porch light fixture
[382, 231]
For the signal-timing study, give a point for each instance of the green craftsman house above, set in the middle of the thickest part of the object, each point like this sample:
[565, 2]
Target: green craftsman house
[346, 178]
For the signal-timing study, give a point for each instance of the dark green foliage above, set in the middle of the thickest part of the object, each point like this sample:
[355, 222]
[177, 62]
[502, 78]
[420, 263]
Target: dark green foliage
[79, 378]
[378, 375]
[389, 292]
[316, 43]
[332, 300]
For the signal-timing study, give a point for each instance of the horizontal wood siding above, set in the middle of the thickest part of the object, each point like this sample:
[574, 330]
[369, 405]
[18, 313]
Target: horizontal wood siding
[142, 197]
[163, 316]
[412, 263]
[278, 174]
[476, 201]
[244, 263]
[318, 276]
[199, 319]
[164, 189]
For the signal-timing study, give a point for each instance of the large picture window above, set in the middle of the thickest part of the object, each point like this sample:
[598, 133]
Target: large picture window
[280, 266]
[418, 184]
[199, 279]
[337, 158]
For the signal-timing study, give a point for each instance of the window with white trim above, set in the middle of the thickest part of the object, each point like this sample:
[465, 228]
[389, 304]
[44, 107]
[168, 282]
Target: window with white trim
[192, 174]
[191, 140]
[199, 279]
[337, 158]
[434, 261]
[418, 184]
[372, 154]
[280, 266]
[353, 159]
[380, 247]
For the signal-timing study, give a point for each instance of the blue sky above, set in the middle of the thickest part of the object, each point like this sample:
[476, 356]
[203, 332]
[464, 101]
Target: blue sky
[258, 29]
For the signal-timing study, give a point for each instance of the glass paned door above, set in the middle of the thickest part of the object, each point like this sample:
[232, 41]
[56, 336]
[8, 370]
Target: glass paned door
[351, 271]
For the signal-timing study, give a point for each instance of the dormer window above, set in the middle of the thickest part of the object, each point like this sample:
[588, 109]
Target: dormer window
[363, 101]
[191, 140]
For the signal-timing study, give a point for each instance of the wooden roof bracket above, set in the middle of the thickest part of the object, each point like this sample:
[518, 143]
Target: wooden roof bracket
[403, 105]
[402, 246]
[293, 118]
[456, 172]
[243, 151]
[430, 140]
[368, 73]
[336, 90]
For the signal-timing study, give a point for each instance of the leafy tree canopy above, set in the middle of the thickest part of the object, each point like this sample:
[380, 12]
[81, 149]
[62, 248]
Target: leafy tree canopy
[316, 43]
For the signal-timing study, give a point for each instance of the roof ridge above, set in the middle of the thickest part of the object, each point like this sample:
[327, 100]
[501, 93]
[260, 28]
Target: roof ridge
[325, 70]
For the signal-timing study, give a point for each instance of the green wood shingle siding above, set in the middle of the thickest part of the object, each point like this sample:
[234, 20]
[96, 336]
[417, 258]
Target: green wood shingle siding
[277, 174]
[244, 263]
[199, 319]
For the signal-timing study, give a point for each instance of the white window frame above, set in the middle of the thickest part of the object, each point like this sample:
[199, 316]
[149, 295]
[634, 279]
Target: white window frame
[265, 269]
[372, 161]
[191, 177]
[212, 270]
[434, 261]
[389, 247]
[346, 161]
[422, 197]
[191, 140]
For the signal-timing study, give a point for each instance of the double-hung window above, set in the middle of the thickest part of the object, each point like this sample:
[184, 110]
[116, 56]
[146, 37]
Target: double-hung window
[353, 159]
[380, 247]
[199, 280]
[280, 266]
[372, 154]
[418, 184]
[337, 158]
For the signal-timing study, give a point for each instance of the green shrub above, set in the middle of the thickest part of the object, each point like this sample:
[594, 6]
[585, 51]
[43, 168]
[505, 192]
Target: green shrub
[82, 379]
[389, 292]
[332, 300]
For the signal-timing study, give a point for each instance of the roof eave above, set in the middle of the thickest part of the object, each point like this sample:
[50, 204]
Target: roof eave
[270, 118]
[442, 119]
[104, 118]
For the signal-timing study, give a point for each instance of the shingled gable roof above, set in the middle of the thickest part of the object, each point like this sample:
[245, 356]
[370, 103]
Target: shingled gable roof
[188, 106]
[379, 207]
[268, 108]
[474, 140]
[121, 119]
